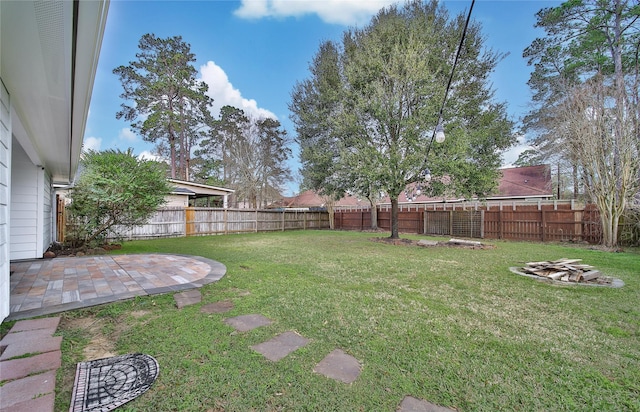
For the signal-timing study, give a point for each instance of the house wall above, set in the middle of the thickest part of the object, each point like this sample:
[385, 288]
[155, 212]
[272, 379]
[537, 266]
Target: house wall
[30, 207]
[176, 201]
[5, 184]
[48, 213]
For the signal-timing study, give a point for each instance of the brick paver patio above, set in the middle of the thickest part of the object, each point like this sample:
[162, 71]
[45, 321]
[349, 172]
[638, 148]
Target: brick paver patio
[45, 286]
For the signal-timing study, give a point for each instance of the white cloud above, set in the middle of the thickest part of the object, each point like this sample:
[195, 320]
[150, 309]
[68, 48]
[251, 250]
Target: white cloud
[91, 143]
[510, 156]
[223, 93]
[127, 134]
[345, 12]
[147, 155]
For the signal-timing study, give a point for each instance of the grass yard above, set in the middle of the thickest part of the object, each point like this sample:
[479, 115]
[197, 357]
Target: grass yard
[451, 326]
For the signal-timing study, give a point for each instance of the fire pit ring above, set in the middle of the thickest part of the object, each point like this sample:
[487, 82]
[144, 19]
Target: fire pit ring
[615, 283]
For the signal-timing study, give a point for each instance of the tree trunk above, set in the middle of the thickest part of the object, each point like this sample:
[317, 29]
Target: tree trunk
[558, 176]
[606, 219]
[374, 213]
[374, 216]
[609, 219]
[332, 215]
[172, 148]
[394, 218]
[576, 182]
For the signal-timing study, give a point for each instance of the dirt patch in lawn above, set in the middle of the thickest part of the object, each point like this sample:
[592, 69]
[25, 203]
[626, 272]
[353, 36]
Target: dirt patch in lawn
[457, 243]
[102, 333]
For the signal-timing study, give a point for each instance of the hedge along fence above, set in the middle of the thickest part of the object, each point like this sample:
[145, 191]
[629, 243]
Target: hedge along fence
[537, 221]
[200, 221]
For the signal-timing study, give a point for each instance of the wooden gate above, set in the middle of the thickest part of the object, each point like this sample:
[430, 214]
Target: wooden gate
[190, 219]
[61, 221]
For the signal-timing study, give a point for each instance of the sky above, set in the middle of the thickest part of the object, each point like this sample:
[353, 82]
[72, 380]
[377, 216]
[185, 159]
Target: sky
[251, 53]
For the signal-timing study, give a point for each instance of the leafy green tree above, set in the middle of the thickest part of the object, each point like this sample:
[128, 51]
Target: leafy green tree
[115, 190]
[315, 103]
[252, 154]
[530, 157]
[587, 42]
[164, 100]
[230, 127]
[374, 101]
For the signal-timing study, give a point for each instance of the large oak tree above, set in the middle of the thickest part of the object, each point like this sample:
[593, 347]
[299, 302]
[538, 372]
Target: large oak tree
[365, 117]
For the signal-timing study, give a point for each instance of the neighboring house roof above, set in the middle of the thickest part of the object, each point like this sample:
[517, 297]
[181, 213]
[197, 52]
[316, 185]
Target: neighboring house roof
[353, 201]
[49, 58]
[530, 181]
[515, 183]
[200, 190]
[309, 198]
[183, 191]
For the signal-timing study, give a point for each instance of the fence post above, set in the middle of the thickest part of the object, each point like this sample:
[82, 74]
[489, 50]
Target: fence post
[482, 224]
[544, 223]
[451, 222]
[283, 220]
[500, 229]
[226, 222]
[424, 219]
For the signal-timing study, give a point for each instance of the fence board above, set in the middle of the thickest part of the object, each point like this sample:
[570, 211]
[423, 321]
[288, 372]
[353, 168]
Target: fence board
[512, 220]
[201, 221]
[164, 223]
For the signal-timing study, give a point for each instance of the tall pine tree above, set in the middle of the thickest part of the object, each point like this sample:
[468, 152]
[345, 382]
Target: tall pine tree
[164, 100]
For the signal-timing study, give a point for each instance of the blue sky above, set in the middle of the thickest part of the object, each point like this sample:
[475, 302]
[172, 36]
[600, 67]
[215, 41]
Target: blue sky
[252, 52]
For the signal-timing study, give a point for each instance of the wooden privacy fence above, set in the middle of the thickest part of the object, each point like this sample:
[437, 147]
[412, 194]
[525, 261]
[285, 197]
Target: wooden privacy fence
[540, 221]
[198, 221]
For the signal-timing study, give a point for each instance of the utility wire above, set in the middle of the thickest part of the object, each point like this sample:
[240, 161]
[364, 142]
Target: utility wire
[453, 69]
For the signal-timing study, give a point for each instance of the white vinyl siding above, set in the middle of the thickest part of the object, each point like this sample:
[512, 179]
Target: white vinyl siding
[176, 201]
[30, 207]
[48, 199]
[5, 183]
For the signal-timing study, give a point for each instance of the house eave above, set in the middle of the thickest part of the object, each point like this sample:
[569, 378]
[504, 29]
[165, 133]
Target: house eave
[49, 58]
[203, 189]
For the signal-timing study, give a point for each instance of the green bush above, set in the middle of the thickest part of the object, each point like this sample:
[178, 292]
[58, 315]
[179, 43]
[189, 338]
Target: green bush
[114, 190]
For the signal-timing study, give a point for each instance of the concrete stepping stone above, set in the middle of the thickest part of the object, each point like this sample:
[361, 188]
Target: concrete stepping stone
[188, 297]
[50, 324]
[339, 366]
[40, 403]
[411, 404]
[245, 323]
[42, 345]
[23, 367]
[280, 346]
[23, 336]
[217, 307]
[31, 387]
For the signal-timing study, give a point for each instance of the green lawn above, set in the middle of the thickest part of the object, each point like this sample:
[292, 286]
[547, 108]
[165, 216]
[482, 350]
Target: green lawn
[451, 326]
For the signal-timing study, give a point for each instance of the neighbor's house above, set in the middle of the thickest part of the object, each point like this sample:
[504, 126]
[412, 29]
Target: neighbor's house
[48, 58]
[530, 183]
[311, 200]
[186, 194]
